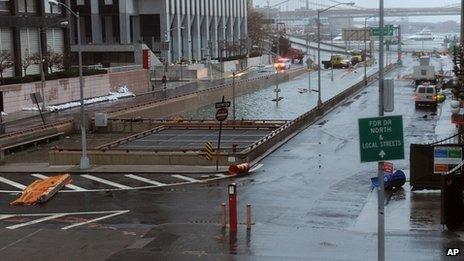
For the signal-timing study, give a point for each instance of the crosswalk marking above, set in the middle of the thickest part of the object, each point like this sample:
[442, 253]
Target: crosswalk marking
[105, 181]
[95, 219]
[69, 186]
[185, 178]
[35, 221]
[149, 181]
[12, 183]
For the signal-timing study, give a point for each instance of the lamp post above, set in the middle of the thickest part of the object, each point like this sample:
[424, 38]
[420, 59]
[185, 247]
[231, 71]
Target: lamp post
[365, 48]
[84, 162]
[381, 191]
[319, 11]
[233, 96]
[331, 55]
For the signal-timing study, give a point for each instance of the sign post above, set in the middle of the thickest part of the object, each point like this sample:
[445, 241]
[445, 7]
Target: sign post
[37, 98]
[381, 139]
[221, 115]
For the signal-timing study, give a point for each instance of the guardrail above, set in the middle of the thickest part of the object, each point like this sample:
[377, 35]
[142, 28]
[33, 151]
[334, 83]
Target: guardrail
[34, 129]
[307, 118]
[123, 68]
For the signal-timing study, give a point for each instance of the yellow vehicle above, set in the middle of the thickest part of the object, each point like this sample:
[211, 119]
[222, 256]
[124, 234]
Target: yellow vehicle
[356, 57]
[337, 61]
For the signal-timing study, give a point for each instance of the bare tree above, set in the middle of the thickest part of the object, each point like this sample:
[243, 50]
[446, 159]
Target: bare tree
[257, 30]
[54, 60]
[6, 61]
[28, 60]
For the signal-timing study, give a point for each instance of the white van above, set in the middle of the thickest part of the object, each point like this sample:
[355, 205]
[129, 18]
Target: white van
[426, 95]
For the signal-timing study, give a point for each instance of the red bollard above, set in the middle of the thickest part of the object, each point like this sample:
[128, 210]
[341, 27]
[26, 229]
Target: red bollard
[232, 191]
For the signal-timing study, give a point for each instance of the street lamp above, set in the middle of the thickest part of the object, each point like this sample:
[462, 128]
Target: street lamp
[365, 48]
[84, 164]
[319, 11]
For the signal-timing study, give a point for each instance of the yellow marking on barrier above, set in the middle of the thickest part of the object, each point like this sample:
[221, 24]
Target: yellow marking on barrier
[209, 150]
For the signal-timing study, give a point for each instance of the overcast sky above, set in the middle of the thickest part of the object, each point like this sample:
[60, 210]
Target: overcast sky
[375, 3]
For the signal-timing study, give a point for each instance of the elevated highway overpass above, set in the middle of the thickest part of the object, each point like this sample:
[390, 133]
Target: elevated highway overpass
[296, 15]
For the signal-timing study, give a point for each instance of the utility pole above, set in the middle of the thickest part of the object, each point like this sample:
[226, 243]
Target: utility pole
[331, 55]
[233, 95]
[400, 54]
[308, 51]
[381, 215]
[365, 51]
[277, 70]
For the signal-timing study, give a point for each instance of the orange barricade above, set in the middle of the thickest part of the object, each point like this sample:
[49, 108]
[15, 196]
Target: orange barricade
[42, 190]
[239, 169]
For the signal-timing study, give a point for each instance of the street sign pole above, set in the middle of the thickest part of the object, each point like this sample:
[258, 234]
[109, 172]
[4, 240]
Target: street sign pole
[219, 146]
[221, 115]
[381, 191]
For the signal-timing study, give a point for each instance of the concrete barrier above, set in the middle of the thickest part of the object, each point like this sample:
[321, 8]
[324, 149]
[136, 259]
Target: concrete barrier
[184, 103]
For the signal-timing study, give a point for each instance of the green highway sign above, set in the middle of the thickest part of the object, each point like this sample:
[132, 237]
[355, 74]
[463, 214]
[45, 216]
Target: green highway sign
[381, 138]
[388, 30]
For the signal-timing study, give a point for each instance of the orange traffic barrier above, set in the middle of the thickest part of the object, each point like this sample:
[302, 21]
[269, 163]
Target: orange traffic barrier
[40, 191]
[239, 169]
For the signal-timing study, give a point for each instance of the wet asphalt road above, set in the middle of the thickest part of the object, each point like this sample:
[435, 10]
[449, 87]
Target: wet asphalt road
[312, 200]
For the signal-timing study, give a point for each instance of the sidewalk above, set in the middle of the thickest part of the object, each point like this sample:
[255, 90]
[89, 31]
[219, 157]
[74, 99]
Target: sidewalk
[152, 169]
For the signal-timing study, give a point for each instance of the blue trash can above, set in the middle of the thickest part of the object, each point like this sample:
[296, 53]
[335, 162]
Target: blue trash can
[394, 180]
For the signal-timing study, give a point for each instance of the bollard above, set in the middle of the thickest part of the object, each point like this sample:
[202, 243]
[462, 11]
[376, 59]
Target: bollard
[223, 215]
[232, 191]
[248, 216]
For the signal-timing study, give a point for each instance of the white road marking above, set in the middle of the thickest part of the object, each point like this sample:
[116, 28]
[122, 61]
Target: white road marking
[35, 221]
[149, 181]
[12, 183]
[105, 181]
[2, 217]
[185, 178]
[256, 167]
[221, 175]
[96, 219]
[69, 186]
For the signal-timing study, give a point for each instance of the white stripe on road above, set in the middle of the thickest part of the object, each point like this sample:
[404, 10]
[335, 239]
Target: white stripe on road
[105, 181]
[35, 221]
[149, 181]
[221, 175]
[69, 186]
[256, 167]
[185, 178]
[2, 217]
[95, 219]
[12, 183]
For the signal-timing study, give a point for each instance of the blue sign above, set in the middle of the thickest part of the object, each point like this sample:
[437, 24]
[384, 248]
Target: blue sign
[440, 153]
